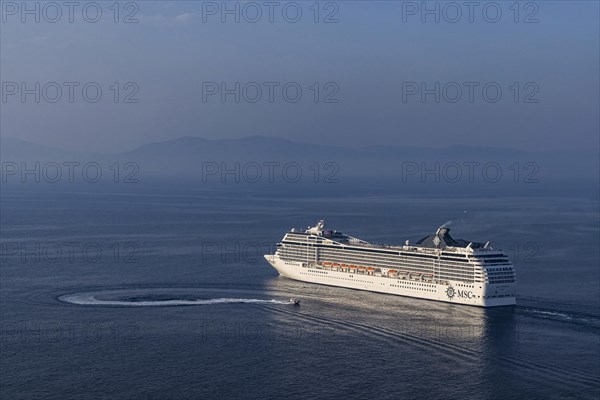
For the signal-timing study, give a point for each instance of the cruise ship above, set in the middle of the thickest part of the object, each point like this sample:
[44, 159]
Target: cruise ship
[437, 267]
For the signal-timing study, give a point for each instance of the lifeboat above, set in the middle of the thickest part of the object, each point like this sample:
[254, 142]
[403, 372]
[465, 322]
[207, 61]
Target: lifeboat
[361, 269]
[344, 268]
[415, 276]
[370, 270]
[392, 273]
[326, 263]
[352, 268]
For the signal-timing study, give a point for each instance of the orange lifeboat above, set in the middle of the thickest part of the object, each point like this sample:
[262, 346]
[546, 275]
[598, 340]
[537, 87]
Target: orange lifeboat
[326, 263]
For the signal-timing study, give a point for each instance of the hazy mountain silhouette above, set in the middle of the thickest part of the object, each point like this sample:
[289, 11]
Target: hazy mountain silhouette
[185, 157]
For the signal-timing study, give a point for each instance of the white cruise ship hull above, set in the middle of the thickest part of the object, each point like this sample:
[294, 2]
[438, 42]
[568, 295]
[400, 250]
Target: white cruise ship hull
[475, 294]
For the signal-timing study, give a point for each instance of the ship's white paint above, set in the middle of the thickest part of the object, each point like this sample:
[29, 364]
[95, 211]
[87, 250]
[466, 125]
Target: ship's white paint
[459, 293]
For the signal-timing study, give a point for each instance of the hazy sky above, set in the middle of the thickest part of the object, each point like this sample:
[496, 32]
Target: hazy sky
[362, 77]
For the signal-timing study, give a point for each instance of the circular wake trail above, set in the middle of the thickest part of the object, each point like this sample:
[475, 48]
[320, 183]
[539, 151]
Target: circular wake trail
[88, 299]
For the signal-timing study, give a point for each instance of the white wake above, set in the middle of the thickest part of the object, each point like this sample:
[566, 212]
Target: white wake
[90, 299]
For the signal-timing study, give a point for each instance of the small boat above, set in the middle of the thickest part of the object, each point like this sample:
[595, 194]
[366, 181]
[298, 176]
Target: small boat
[295, 302]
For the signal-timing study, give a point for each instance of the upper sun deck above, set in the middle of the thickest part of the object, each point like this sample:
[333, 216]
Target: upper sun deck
[441, 241]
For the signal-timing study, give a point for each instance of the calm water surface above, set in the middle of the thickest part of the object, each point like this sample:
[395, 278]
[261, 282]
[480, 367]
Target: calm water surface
[163, 294]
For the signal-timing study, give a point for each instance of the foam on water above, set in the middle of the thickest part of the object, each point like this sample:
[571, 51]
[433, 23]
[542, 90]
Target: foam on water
[89, 299]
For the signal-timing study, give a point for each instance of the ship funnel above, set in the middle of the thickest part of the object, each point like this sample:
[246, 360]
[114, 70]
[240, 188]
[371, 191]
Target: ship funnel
[442, 230]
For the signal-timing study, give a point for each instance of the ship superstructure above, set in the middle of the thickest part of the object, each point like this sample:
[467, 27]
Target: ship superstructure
[437, 267]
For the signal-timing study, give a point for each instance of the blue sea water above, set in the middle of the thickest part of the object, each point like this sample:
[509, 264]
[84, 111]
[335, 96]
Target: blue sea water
[162, 293]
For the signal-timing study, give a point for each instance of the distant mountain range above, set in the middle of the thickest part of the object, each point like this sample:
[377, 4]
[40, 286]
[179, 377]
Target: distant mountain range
[190, 156]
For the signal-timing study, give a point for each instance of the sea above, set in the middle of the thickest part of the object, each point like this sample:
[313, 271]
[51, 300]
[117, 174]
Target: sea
[161, 291]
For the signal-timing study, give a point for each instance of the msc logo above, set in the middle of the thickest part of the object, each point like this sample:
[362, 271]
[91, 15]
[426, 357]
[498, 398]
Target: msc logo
[463, 294]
